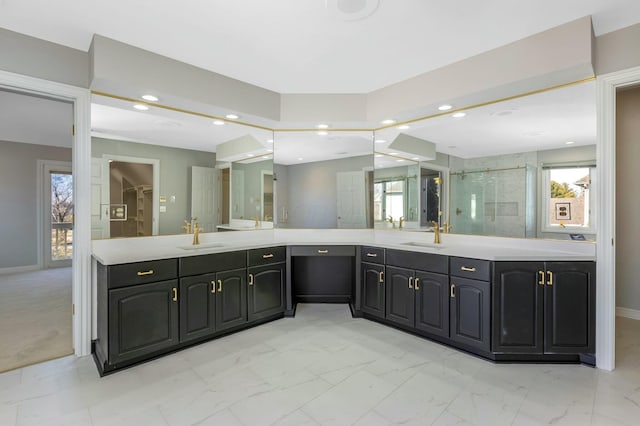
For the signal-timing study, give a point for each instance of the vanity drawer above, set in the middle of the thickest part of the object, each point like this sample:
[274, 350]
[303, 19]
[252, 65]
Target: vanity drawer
[215, 262]
[142, 272]
[327, 250]
[264, 256]
[372, 254]
[470, 268]
[415, 260]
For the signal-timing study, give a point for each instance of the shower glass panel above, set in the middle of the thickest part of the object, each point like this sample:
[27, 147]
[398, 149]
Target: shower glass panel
[494, 202]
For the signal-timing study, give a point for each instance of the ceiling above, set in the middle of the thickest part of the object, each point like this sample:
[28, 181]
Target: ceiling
[312, 46]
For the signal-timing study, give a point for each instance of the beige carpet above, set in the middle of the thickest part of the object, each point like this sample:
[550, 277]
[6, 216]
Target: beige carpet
[35, 317]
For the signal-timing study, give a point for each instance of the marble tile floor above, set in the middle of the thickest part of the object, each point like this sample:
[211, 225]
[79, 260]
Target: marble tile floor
[323, 367]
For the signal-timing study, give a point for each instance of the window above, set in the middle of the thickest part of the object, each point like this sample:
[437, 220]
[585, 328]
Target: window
[568, 199]
[388, 200]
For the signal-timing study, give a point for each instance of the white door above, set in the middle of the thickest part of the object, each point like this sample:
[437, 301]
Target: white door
[203, 205]
[99, 201]
[237, 195]
[351, 199]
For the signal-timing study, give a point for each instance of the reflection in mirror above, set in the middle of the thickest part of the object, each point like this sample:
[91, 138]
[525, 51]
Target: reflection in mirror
[323, 180]
[396, 192]
[189, 164]
[499, 157]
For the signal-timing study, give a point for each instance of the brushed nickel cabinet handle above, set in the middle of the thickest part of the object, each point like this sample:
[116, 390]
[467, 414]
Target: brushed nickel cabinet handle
[267, 256]
[213, 286]
[453, 290]
[219, 286]
[175, 294]
[541, 281]
[464, 268]
[323, 251]
[550, 278]
[381, 276]
[372, 255]
[143, 273]
[250, 279]
[415, 284]
[411, 283]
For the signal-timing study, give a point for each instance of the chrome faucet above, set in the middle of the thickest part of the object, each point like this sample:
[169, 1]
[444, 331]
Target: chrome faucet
[436, 232]
[196, 234]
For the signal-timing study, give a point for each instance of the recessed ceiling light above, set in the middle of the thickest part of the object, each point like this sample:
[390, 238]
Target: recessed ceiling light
[458, 114]
[141, 107]
[415, 158]
[445, 107]
[251, 155]
[300, 158]
[269, 150]
[393, 153]
[150, 98]
[378, 155]
[266, 157]
[380, 141]
[400, 160]
[388, 121]
[322, 126]
[403, 127]
[569, 143]
[218, 122]
[232, 116]
[269, 140]
[323, 133]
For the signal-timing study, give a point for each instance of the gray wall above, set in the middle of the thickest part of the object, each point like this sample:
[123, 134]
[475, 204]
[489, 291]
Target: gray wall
[627, 201]
[175, 175]
[34, 57]
[18, 209]
[311, 191]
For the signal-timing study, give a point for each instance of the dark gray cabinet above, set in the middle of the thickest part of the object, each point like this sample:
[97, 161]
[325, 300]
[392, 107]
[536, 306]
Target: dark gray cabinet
[432, 303]
[266, 291]
[544, 307]
[231, 299]
[470, 307]
[197, 307]
[373, 289]
[399, 295]
[142, 319]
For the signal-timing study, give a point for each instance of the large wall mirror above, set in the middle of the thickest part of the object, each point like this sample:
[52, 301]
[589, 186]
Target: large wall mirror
[519, 168]
[323, 179]
[156, 170]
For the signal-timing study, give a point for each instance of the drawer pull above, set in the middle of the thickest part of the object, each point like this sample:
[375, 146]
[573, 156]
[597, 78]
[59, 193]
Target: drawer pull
[415, 284]
[541, 282]
[381, 276]
[464, 268]
[411, 283]
[453, 290]
[323, 251]
[267, 256]
[372, 255]
[219, 286]
[550, 278]
[175, 294]
[143, 273]
[250, 279]
[213, 286]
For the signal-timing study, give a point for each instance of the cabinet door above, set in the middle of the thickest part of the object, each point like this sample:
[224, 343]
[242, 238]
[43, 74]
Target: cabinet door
[197, 307]
[266, 291]
[373, 289]
[231, 299]
[470, 313]
[432, 303]
[518, 306]
[570, 307]
[399, 295]
[143, 319]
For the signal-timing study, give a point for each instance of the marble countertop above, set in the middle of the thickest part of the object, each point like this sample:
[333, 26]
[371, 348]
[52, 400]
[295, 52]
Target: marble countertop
[128, 250]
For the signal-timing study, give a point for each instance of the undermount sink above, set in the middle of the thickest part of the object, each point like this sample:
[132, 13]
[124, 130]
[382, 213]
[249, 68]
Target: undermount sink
[201, 246]
[421, 244]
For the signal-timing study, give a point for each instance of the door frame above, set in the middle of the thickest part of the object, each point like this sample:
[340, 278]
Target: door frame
[606, 87]
[264, 173]
[45, 167]
[155, 164]
[81, 169]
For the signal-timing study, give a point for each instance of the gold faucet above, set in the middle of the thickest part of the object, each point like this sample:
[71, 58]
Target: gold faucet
[257, 218]
[436, 232]
[196, 234]
[187, 227]
[267, 218]
[446, 227]
[401, 222]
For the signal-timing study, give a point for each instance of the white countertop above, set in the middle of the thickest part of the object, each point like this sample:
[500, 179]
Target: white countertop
[128, 250]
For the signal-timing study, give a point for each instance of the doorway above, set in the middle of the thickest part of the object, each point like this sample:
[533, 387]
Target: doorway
[58, 214]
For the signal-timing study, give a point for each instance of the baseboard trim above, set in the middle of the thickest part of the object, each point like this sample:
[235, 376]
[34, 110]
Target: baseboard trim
[19, 269]
[628, 313]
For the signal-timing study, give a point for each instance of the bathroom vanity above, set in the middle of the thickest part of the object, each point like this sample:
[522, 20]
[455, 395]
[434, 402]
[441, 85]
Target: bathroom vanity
[504, 300]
